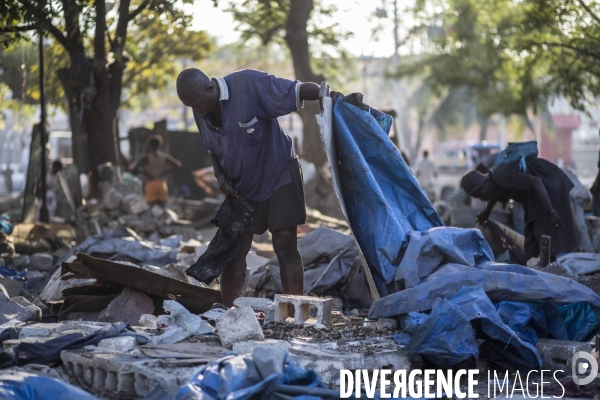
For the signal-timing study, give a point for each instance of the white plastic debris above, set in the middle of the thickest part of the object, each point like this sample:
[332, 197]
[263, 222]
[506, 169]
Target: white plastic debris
[179, 325]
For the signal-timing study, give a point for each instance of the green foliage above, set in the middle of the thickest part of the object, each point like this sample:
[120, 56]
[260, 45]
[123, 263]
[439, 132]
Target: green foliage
[509, 56]
[470, 52]
[264, 22]
[561, 38]
[157, 37]
[158, 46]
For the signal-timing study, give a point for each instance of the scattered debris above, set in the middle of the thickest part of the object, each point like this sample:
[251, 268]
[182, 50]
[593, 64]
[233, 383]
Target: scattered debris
[177, 326]
[238, 324]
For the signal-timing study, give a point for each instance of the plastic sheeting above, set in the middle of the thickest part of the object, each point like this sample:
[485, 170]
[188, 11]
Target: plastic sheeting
[499, 281]
[331, 267]
[25, 386]
[380, 196]
[177, 326]
[272, 373]
[429, 250]
[404, 243]
[120, 245]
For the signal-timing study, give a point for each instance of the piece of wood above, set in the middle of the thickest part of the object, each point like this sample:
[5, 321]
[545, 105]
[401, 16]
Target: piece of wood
[195, 298]
[545, 246]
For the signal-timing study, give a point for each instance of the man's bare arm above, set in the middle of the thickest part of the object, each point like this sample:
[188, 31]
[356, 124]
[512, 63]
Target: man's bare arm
[224, 181]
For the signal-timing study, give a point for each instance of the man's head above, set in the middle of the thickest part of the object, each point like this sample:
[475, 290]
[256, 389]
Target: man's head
[195, 89]
[155, 142]
[425, 153]
[478, 185]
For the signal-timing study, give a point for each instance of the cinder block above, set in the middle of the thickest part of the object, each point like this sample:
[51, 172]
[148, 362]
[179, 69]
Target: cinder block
[302, 308]
[120, 343]
[41, 330]
[237, 325]
[122, 375]
[41, 262]
[257, 304]
[558, 354]
[248, 346]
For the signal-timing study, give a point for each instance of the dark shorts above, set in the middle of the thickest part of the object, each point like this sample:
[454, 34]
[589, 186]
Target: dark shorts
[285, 208]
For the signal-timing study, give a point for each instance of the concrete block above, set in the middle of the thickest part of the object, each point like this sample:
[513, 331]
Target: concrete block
[558, 354]
[128, 307]
[150, 373]
[110, 372]
[248, 346]
[41, 262]
[157, 211]
[302, 306]
[327, 363]
[112, 199]
[258, 304]
[123, 375]
[134, 204]
[388, 359]
[255, 303]
[21, 262]
[41, 330]
[237, 325]
[122, 344]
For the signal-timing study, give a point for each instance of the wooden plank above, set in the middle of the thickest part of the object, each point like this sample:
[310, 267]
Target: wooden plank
[196, 299]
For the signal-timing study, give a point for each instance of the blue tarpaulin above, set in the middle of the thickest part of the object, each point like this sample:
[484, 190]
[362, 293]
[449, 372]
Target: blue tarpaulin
[25, 386]
[271, 373]
[382, 197]
[419, 265]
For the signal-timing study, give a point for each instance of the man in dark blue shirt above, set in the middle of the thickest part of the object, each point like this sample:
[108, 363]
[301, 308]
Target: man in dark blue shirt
[253, 158]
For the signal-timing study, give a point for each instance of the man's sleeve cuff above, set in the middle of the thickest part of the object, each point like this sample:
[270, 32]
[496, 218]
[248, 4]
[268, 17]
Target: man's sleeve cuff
[299, 103]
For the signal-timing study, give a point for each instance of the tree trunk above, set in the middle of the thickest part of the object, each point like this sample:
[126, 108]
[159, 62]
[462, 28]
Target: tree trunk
[296, 38]
[100, 117]
[73, 80]
[483, 124]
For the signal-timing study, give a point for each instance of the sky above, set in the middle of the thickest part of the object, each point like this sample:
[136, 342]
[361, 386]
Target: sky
[356, 16]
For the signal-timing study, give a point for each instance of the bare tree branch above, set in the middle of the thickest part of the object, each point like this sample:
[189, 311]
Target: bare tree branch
[59, 36]
[589, 10]
[23, 28]
[45, 24]
[574, 48]
[141, 8]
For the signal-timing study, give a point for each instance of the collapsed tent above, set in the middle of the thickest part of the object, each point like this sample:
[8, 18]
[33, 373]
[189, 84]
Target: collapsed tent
[420, 265]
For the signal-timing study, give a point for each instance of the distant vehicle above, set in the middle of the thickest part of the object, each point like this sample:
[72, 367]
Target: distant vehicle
[454, 158]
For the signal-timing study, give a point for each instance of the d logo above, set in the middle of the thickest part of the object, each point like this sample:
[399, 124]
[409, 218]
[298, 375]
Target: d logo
[580, 367]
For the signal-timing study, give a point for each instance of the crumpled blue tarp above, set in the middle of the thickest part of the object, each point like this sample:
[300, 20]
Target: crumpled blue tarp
[382, 197]
[432, 248]
[446, 337]
[272, 373]
[580, 321]
[410, 252]
[25, 386]
[499, 281]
